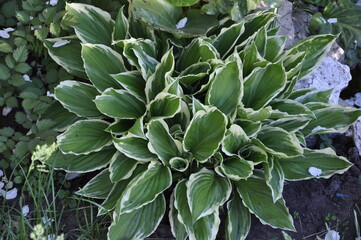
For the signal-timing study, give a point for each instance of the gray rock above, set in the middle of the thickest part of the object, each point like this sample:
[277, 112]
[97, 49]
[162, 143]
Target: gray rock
[285, 22]
[337, 53]
[357, 135]
[330, 74]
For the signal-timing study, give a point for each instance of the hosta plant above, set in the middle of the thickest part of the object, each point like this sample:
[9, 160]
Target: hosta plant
[209, 124]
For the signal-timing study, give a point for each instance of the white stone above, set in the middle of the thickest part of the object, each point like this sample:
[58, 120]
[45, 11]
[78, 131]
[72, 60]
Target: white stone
[25, 210]
[4, 34]
[61, 43]
[358, 3]
[6, 111]
[26, 78]
[285, 22]
[9, 29]
[332, 235]
[52, 2]
[337, 53]
[181, 23]
[332, 20]
[70, 176]
[329, 75]
[350, 102]
[13, 193]
[2, 185]
[1, 173]
[315, 171]
[357, 135]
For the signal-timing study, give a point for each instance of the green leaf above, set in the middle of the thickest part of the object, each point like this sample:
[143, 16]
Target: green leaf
[177, 228]
[41, 33]
[20, 54]
[331, 119]
[139, 223]
[161, 142]
[4, 72]
[133, 82]
[225, 41]
[120, 126]
[204, 228]
[205, 133]
[291, 125]
[274, 177]
[68, 56]
[206, 192]
[98, 187]
[78, 98]
[256, 195]
[220, 94]
[84, 137]
[22, 67]
[160, 78]
[194, 73]
[121, 167]
[88, 30]
[183, 3]
[100, 62]
[296, 168]
[81, 163]
[165, 106]
[235, 139]
[238, 219]
[274, 47]
[316, 47]
[144, 188]
[121, 27]
[279, 142]
[291, 107]
[135, 148]
[263, 84]
[119, 104]
[164, 16]
[236, 168]
[5, 47]
[141, 54]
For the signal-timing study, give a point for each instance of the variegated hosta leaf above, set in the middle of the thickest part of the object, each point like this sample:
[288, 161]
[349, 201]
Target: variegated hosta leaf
[139, 223]
[274, 177]
[100, 62]
[81, 163]
[316, 47]
[121, 26]
[141, 54]
[160, 78]
[84, 137]
[68, 56]
[144, 188]
[254, 115]
[138, 128]
[98, 187]
[118, 188]
[179, 164]
[263, 84]
[235, 139]
[291, 107]
[91, 24]
[236, 168]
[290, 124]
[312, 95]
[133, 82]
[204, 228]
[177, 228]
[206, 192]
[249, 127]
[220, 94]
[194, 73]
[274, 47]
[226, 40]
[251, 59]
[238, 219]
[120, 126]
[161, 142]
[165, 106]
[331, 119]
[121, 167]
[257, 197]
[198, 50]
[120, 104]
[205, 133]
[255, 154]
[278, 142]
[297, 168]
[78, 98]
[135, 148]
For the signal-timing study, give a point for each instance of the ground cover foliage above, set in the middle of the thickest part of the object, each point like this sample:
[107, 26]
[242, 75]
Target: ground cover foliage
[203, 114]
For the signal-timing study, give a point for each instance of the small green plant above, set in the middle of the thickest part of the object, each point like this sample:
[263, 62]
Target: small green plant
[205, 116]
[344, 17]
